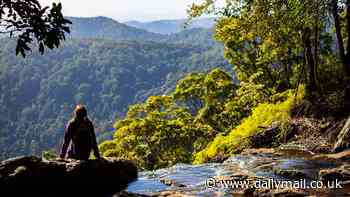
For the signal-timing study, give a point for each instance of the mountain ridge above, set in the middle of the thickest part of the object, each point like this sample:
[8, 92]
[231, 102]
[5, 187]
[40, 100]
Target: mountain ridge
[172, 26]
[107, 28]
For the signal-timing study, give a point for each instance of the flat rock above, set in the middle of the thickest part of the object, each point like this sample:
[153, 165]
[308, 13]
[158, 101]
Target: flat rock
[31, 174]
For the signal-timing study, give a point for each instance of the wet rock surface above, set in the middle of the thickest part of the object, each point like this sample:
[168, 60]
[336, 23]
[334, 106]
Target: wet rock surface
[250, 166]
[170, 182]
[336, 157]
[291, 173]
[280, 193]
[312, 150]
[28, 175]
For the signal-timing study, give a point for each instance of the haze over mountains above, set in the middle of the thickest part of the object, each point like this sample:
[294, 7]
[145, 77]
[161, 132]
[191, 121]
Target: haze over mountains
[105, 65]
[103, 27]
[172, 26]
[107, 28]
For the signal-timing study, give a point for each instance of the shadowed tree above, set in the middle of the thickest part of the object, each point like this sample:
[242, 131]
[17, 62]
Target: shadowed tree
[29, 22]
[339, 7]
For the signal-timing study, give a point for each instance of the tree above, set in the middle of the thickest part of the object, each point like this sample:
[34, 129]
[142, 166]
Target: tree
[276, 37]
[157, 133]
[344, 54]
[169, 129]
[28, 21]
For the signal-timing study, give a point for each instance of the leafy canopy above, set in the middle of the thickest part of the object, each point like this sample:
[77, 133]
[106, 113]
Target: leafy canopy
[29, 22]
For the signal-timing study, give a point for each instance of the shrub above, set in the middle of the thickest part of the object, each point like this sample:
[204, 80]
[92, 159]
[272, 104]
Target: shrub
[262, 115]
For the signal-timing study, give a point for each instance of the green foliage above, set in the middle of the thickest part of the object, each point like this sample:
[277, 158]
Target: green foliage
[207, 115]
[287, 40]
[204, 95]
[155, 134]
[27, 20]
[166, 130]
[49, 155]
[262, 115]
[252, 92]
[38, 93]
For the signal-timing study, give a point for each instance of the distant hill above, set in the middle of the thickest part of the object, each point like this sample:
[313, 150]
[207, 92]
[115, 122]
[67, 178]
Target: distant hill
[195, 36]
[172, 26]
[105, 65]
[107, 28]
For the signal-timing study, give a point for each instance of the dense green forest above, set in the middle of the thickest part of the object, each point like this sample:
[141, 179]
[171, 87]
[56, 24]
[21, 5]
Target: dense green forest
[38, 93]
[290, 58]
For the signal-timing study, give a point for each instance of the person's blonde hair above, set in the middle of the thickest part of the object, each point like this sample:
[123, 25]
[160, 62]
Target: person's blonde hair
[80, 111]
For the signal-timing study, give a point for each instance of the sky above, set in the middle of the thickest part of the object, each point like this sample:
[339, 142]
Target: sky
[125, 10]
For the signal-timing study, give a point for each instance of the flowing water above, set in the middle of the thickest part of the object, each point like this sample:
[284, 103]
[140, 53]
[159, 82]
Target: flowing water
[191, 179]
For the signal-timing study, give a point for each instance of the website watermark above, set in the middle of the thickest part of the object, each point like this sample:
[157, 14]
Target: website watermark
[271, 183]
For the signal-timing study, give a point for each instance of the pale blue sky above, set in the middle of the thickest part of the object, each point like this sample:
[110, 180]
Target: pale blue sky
[125, 10]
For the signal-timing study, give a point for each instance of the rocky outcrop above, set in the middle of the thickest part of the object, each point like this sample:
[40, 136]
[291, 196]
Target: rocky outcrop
[343, 141]
[266, 138]
[29, 175]
[295, 174]
[170, 182]
[129, 194]
[289, 192]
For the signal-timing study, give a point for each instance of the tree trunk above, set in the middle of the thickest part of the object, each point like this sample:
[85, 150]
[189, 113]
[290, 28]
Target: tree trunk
[344, 58]
[316, 48]
[347, 66]
[312, 85]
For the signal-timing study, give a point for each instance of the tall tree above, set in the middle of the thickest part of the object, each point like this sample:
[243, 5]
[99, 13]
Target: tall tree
[270, 35]
[344, 54]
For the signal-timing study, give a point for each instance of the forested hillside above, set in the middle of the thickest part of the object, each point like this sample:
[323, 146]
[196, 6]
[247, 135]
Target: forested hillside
[38, 93]
[106, 28]
[172, 26]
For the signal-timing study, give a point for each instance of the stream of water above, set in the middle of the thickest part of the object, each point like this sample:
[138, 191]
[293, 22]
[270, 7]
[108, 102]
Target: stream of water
[192, 178]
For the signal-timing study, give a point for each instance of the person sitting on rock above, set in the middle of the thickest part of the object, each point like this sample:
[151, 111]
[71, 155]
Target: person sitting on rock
[81, 136]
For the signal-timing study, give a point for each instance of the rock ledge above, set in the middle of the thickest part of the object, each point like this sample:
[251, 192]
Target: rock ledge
[23, 174]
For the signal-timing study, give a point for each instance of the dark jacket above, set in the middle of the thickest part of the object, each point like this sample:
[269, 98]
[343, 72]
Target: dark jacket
[80, 134]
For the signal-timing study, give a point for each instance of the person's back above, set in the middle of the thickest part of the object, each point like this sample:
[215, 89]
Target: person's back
[80, 133]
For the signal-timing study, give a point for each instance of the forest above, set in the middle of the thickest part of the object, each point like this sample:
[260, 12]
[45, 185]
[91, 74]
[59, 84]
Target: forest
[251, 91]
[291, 58]
[105, 70]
